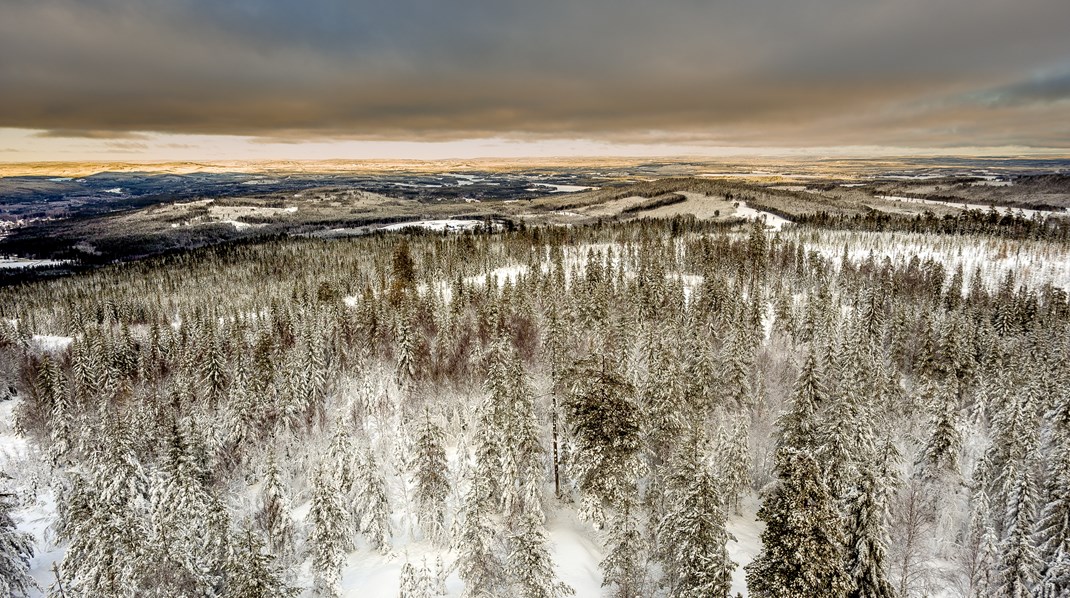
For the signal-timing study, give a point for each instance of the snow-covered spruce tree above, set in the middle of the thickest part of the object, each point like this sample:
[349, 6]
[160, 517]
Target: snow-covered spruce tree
[661, 397]
[16, 550]
[374, 508]
[415, 582]
[939, 458]
[803, 544]
[250, 571]
[510, 407]
[624, 566]
[867, 540]
[429, 473]
[506, 484]
[186, 544]
[530, 566]
[736, 366]
[980, 552]
[405, 334]
[1053, 526]
[1018, 559]
[479, 559]
[1014, 434]
[329, 534]
[846, 430]
[604, 422]
[733, 456]
[102, 514]
[273, 518]
[691, 535]
[61, 411]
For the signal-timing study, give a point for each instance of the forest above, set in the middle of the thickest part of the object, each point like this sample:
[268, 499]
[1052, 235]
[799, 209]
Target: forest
[845, 408]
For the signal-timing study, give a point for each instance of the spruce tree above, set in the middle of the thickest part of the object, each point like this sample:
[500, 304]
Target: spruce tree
[803, 552]
[605, 426]
[250, 571]
[939, 458]
[623, 567]
[479, 559]
[692, 536]
[16, 550]
[530, 566]
[803, 544]
[867, 539]
[429, 476]
[329, 535]
[273, 517]
[374, 507]
[734, 459]
[1018, 559]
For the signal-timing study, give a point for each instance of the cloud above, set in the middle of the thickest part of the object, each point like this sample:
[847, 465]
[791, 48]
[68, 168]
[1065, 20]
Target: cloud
[1043, 88]
[87, 134]
[709, 71]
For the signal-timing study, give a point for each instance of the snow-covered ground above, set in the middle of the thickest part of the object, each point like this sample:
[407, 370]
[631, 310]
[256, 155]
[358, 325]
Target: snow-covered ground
[560, 188]
[35, 508]
[1033, 262]
[21, 262]
[1028, 213]
[747, 531]
[772, 221]
[436, 225]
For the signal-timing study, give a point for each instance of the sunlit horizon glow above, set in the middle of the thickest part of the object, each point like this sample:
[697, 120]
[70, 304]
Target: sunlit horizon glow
[25, 146]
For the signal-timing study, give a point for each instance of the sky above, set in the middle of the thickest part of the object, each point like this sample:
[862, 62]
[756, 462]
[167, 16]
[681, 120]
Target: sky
[320, 79]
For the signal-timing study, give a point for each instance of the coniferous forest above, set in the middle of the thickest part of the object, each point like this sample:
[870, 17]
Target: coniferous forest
[669, 408]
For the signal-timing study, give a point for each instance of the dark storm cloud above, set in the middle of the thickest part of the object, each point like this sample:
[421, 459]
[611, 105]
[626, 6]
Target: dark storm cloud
[825, 71]
[1043, 88]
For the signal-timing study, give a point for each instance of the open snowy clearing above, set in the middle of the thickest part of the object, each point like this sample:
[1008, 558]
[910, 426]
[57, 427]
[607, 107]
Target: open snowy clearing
[436, 225]
[20, 262]
[1033, 262]
[1027, 212]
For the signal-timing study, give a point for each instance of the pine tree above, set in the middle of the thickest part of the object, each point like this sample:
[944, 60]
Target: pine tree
[691, 535]
[429, 476]
[1018, 559]
[273, 517]
[16, 550]
[530, 566]
[374, 508]
[250, 573]
[329, 536]
[623, 567]
[867, 540]
[605, 425]
[803, 544]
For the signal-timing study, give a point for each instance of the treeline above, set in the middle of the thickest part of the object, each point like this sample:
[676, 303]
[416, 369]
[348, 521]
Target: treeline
[654, 204]
[992, 223]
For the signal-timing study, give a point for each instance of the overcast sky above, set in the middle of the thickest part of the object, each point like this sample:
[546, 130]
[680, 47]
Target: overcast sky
[330, 78]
